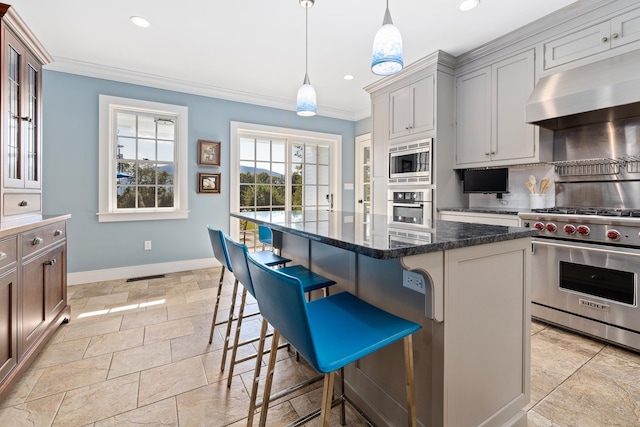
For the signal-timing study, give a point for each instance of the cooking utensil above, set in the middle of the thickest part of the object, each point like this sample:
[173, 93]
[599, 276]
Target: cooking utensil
[532, 180]
[530, 186]
[544, 185]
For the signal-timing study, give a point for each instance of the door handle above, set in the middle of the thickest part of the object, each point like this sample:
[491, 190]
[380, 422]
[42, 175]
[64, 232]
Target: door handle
[360, 201]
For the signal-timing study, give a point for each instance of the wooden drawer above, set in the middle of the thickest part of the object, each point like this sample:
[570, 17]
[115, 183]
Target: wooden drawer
[40, 238]
[16, 204]
[8, 251]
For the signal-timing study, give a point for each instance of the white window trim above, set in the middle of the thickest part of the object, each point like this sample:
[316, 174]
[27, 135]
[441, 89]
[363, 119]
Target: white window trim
[239, 128]
[106, 208]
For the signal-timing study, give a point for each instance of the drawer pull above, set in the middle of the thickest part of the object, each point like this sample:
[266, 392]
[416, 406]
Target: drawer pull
[57, 233]
[3, 255]
[23, 203]
[52, 262]
[37, 241]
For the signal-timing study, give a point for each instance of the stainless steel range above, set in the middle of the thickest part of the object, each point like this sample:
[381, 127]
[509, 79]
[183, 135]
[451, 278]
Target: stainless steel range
[586, 264]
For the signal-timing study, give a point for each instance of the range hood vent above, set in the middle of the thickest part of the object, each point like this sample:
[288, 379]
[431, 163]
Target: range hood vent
[602, 91]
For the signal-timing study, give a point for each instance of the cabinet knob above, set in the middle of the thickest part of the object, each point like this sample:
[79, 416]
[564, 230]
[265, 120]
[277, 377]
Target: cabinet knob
[360, 201]
[493, 152]
[615, 35]
[23, 203]
[486, 153]
[57, 233]
[51, 262]
[26, 119]
[605, 39]
[3, 255]
[37, 241]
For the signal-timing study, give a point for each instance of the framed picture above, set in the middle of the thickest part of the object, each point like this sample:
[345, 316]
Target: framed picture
[208, 182]
[208, 153]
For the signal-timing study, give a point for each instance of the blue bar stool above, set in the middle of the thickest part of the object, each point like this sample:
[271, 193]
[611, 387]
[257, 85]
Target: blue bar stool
[220, 253]
[265, 236]
[329, 332]
[238, 253]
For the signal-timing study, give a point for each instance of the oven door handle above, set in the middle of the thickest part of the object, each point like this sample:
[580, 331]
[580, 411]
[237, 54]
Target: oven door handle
[583, 248]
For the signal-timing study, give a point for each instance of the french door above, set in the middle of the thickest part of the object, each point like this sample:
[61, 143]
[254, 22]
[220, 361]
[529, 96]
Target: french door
[275, 169]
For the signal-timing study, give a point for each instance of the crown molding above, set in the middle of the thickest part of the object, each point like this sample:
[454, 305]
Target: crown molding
[87, 69]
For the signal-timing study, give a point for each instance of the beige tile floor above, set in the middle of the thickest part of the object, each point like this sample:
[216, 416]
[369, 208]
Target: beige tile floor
[137, 353]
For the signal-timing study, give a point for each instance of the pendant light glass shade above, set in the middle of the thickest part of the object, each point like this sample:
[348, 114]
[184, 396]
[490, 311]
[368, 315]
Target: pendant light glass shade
[306, 102]
[306, 99]
[387, 48]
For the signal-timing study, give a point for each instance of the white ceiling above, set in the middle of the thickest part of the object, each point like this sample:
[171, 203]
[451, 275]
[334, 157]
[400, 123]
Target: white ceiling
[254, 50]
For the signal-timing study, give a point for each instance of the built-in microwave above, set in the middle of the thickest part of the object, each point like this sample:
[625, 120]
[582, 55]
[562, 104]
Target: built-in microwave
[410, 163]
[411, 207]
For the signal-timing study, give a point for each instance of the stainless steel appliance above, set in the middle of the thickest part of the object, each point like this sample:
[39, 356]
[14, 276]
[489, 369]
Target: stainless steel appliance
[411, 207]
[399, 238]
[585, 269]
[410, 163]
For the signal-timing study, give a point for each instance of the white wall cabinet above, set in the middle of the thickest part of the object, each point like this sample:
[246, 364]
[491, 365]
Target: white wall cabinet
[490, 106]
[583, 43]
[412, 109]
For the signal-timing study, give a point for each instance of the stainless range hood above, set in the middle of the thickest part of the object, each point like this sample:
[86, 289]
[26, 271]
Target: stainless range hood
[602, 91]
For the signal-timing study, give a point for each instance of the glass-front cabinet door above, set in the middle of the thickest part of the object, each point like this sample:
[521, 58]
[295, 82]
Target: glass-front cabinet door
[22, 115]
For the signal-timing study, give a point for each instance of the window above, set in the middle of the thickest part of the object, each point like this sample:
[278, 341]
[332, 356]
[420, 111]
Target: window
[143, 160]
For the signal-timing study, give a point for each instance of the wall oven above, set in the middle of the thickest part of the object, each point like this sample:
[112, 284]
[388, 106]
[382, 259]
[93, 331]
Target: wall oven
[410, 163]
[411, 207]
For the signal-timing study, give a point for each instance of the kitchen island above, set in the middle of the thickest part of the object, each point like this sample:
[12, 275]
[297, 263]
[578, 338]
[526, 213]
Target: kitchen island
[468, 288]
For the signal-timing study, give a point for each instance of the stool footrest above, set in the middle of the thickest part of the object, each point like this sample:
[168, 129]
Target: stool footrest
[291, 389]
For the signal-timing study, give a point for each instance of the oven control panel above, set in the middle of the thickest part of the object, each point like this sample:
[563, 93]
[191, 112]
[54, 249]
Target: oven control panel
[596, 233]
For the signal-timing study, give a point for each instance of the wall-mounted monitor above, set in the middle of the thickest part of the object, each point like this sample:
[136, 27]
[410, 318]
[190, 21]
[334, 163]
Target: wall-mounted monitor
[486, 180]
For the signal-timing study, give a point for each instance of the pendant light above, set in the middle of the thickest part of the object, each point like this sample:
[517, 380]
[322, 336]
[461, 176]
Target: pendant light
[387, 48]
[306, 93]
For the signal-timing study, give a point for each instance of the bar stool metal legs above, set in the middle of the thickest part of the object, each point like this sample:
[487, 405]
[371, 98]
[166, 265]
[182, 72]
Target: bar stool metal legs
[215, 310]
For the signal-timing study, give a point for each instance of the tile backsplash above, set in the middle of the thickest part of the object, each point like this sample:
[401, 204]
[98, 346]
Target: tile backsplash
[518, 196]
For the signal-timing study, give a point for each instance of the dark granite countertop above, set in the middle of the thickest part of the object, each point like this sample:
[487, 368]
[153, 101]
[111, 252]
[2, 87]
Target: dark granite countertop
[376, 238]
[485, 210]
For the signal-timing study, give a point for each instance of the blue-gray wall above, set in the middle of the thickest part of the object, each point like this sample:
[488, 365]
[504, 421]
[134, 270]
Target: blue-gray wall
[70, 170]
[363, 126]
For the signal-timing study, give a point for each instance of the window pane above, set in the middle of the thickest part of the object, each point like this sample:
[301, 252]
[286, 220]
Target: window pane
[263, 173]
[297, 151]
[323, 175]
[146, 127]
[126, 170]
[166, 175]
[166, 130]
[323, 192]
[296, 195]
[263, 150]
[247, 172]
[247, 196]
[277, 173]
[146, 149]
[165, 196]
[296, 174]
[247, 149]
[166, 151]
[366, 173]
[146, 197]
[310, 174]
[125, 124]
[367, 155]
[310, 154]
[146, 174]
[310, 195]
[126, 198]
[277, 195]
[278, 151]
[126, 148]
[263, 195]
[323, 155]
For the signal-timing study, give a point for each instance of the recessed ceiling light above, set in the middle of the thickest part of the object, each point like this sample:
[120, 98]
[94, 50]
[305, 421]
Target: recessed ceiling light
[140, 21]
[468, 5]
[348, 77]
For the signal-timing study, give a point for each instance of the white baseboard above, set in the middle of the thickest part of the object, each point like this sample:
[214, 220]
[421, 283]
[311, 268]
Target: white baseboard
[139, 271]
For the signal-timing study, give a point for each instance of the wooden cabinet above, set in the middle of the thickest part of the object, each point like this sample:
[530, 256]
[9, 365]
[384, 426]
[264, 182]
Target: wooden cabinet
[8, 306]
[412, 109]
[21, 89]
[490, 108]
[594, 39]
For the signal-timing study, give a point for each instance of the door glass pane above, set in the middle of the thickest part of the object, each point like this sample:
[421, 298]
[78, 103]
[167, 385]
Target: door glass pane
[323, 155]
[13, 89]
[297, 151]
[32, 135]
[310, 174]
[323, 192]
[310, 154]
[323, 175]
[310, 195]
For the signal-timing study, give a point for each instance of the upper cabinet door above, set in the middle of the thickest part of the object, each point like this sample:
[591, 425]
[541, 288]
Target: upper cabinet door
[412, 109]
[576, 45]
[473, 117]
[512, 81]
[625, 28]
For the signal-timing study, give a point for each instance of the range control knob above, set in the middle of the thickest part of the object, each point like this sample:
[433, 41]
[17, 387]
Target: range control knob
[538, 226]
[584, 230]
[551, 227]
[613, 235]
[569, 229]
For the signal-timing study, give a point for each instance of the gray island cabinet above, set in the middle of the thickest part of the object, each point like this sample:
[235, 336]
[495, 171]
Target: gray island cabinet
[472, 355]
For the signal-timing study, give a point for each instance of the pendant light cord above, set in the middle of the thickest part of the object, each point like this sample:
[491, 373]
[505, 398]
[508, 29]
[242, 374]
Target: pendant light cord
[306, 40]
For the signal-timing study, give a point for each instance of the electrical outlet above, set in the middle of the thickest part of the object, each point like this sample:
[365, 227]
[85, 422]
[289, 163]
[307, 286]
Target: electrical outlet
[413, 281]
[147, 245]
